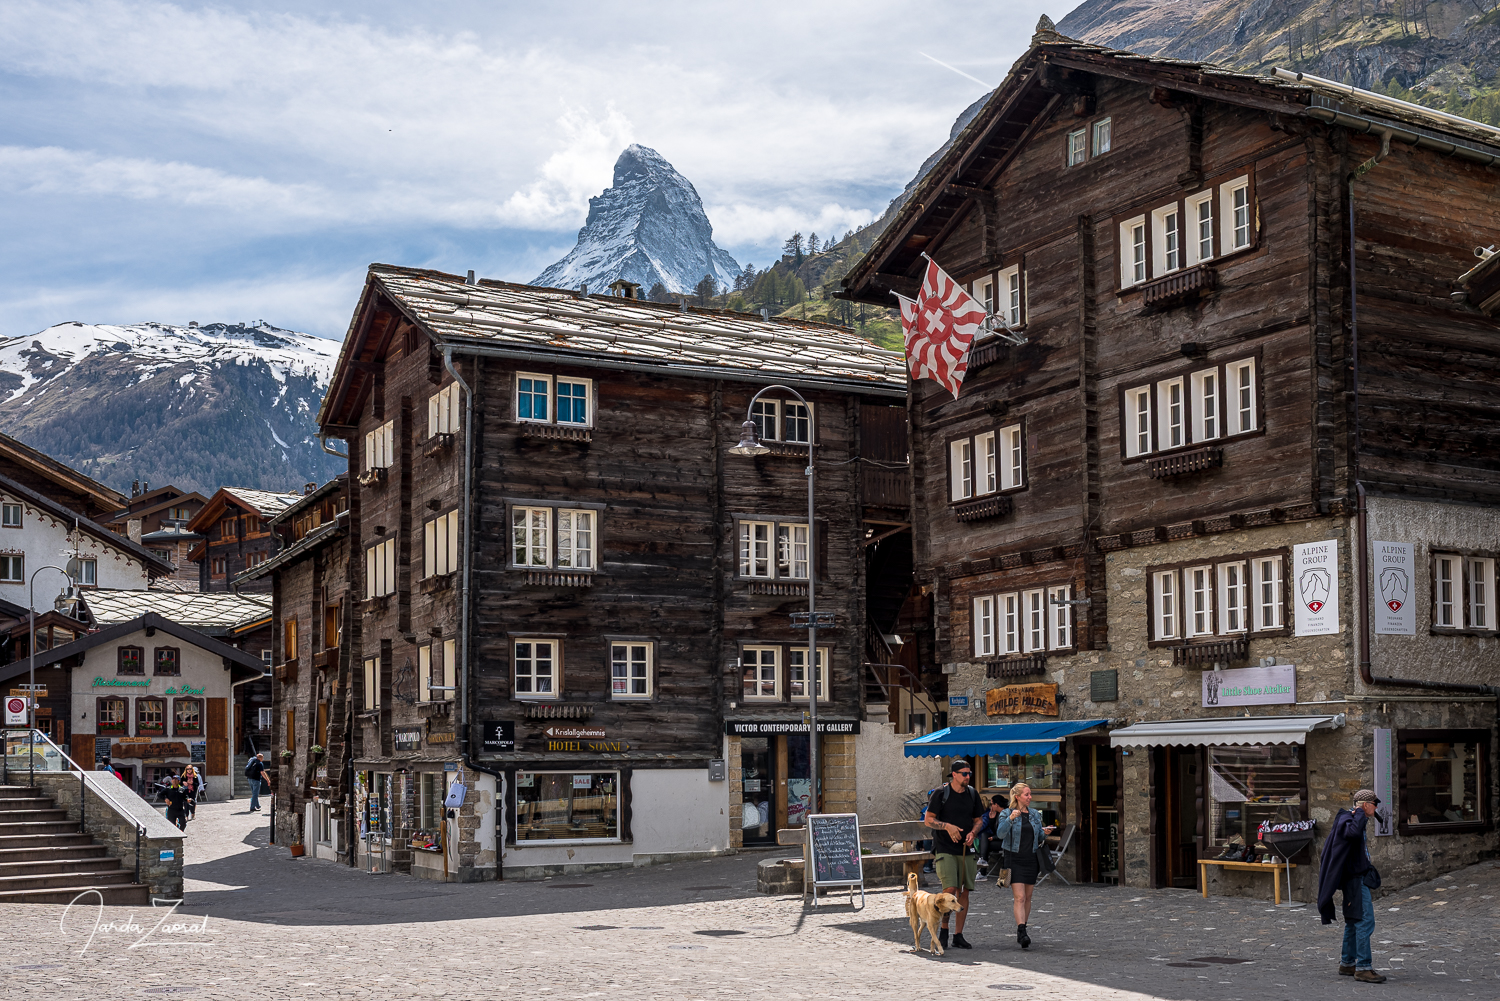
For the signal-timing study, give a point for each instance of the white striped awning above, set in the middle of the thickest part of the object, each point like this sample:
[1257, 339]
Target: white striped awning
[1224, 730]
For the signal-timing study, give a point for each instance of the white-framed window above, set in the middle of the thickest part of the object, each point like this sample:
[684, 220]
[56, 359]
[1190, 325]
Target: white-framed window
[1206, 423]
[1241, 378]
[1103, 132]
[1167, 228]
[984, 626]
[1013, 465]
[536, 668]
[1164, 605]
[440, 545]
[533, 397]
[1198, 589]
[1481, 593]
[437, 669]
[755, 548]
[1138, 408]
[88, 571]
[548, 399]
[424, 672]
[380, 569]
[792, 551]
[988, 476]
[760, 673]
[531, 536]
[10, 515]
[1234, 598]
[1034, 607]
[1173, 430]
[630, 669]
[443, 411]
[1060, 635]
[796, 422]
[1010, 623]
[1078, 146]
[1446, 577]
[961, 468]
[371, 700]
[575, 539]
[766, 415]
[1266, 579]
[263, 717]
[574, 400]
[1011, 294]
[1133, 251]
[796, 669]
[1200, 227]
[267, 656]
[380, 446]
[984, 293]
[567, 807]
[1236, 211]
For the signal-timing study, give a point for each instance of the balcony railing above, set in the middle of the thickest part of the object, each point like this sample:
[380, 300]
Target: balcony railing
[1177, 287]
[1181, 463]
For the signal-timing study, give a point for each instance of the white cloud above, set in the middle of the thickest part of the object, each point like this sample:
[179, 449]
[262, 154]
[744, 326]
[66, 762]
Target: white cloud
[570, 176]
[741, 223]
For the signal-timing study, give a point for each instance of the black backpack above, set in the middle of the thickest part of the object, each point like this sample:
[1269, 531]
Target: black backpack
[252, 768]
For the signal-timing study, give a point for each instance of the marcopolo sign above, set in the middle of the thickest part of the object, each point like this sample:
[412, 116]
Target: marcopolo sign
[1251, 686]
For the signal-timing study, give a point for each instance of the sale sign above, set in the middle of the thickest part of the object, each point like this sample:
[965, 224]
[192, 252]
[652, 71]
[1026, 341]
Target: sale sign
[1315, 588]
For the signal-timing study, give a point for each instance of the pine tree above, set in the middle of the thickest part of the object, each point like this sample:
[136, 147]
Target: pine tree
[812, 245]
[793, 248]
[706, 290]
[659, 293]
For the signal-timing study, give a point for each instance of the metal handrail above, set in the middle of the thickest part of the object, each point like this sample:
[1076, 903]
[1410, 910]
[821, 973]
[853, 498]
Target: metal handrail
[140, 829]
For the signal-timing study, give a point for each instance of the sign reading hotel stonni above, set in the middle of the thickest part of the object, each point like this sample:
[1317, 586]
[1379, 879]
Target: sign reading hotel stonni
[1394, 567]
[1251, 686]
[1315, 588]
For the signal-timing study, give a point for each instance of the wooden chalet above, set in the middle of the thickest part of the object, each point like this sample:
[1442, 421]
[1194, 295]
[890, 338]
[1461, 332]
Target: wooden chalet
[1181, 491]
[236, 536]
[57, 481]
[567, 607]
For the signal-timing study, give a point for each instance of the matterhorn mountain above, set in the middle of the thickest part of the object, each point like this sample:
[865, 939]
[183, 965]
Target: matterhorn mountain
[648, 227]
[196, 406]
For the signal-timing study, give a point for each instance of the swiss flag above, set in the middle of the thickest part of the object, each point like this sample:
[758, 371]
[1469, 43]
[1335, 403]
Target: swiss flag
[939, 327]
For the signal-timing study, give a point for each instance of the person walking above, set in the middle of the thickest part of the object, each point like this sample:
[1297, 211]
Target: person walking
[1346, 867]
[1023, 839]
[985, 841]
[255, 771]
[194, 786]
[954, 814]
[177, 802]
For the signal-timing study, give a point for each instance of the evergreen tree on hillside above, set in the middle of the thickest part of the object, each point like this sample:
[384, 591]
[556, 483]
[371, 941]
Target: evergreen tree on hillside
[706, 290]
[793, 248]
[812, 245]
[659, 293]
[745, 279]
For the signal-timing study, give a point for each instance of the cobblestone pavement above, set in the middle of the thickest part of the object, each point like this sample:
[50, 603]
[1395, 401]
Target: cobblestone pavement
[274, 927]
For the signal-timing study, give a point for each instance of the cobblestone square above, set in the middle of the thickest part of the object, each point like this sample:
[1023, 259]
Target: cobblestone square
[275, 927]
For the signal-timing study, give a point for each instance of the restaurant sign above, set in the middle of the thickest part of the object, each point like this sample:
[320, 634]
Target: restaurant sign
[162, 749]
[103, 682]
[184, 690]
[1013, 700]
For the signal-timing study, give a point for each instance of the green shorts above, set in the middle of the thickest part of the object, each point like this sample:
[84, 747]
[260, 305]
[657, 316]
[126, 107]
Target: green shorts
[956, 872]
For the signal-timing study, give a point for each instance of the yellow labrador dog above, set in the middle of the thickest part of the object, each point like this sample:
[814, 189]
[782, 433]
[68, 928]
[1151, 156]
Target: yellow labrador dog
[923, 908]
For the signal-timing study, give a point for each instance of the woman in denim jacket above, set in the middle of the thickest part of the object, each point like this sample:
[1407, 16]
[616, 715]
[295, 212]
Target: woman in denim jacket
[1023, 838]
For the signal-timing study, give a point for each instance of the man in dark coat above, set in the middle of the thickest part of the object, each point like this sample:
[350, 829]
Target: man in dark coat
[177, 802]
[1345, 867]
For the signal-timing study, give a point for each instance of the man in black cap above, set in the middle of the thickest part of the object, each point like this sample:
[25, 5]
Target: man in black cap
[1346, 867]
[955, 814]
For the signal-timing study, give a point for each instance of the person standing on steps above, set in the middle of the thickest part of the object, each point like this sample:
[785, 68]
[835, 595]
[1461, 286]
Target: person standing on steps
[255, 771]
[1345, 866]
[955, 814]
[1023, 839]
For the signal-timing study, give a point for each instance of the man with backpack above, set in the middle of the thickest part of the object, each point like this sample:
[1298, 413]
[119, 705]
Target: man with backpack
[255, 771]
[955, 814]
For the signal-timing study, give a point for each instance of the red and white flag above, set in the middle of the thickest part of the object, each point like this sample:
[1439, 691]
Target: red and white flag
[939, 326]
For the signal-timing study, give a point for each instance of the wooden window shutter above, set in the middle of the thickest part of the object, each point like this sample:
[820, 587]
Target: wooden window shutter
[83, 750]
[217, 752]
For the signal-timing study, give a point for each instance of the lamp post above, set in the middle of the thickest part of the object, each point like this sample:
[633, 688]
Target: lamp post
[62, 599]
[750, 446]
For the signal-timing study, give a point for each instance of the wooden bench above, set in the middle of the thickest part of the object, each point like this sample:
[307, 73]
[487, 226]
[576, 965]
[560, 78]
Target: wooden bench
[1274, 868]
[905, 830]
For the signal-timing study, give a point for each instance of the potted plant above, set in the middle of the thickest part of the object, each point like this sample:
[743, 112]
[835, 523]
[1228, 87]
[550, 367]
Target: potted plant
[297, 849]
[286, 755]
[316, 751]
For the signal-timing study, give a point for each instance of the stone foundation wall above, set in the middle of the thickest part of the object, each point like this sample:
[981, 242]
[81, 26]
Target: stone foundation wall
[117, 833]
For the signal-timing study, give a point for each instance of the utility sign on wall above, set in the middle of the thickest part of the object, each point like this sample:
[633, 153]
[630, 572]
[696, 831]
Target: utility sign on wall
[1315, 588]
[15, 711]
[1393, 565]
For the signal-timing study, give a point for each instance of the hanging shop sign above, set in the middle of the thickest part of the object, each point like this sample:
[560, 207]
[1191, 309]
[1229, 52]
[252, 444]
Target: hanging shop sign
[439, 736]
[602, 746]
[1315, 588]
[408, 738]
[1394, 566]
[497, 736]
[39, 691]
[1013, 700]
[160, 750]
[1251, 686]
[773, 728]
[102, 682]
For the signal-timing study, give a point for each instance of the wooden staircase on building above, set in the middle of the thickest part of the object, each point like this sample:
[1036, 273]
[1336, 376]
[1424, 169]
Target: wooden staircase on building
[44, 859]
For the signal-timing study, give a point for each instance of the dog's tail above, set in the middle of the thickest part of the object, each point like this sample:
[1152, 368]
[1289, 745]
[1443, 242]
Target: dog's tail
[911, 883]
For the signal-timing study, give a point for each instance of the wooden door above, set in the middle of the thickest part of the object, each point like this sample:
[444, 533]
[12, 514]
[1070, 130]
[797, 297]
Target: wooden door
[83, 750]
[1183, 823]
[216, 756]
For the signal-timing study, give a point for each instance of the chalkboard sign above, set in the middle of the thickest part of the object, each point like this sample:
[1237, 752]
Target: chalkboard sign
[834, 842]
[198, 751]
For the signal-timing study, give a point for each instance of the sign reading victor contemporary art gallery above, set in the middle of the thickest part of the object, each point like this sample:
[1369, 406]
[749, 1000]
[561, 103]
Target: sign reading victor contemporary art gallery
[771, 728]
[1012, 700]
[1315, 588]
[1251, 686]
[1393, 567]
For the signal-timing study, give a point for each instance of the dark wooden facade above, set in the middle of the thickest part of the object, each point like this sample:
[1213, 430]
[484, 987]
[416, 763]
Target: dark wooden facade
[234, 526]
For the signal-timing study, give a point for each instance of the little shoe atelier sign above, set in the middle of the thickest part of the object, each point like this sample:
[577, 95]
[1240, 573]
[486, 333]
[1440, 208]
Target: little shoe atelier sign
[1013, 700]
[1251, 686]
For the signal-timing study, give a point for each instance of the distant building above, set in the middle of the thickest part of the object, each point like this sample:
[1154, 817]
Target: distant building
[235, 535]
[158, 519]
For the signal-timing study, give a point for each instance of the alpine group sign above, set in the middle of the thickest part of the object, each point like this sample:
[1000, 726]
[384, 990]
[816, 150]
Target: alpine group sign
[1393, 565]
[1315, 588]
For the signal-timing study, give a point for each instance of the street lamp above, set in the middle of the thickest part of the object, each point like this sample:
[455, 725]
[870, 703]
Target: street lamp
[750, 446]
[66, 598]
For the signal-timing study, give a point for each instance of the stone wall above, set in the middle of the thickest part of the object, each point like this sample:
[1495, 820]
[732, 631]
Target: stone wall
[117, 832]
[891, 786]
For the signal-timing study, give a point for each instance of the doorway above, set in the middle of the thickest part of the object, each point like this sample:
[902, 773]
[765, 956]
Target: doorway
[1179, 813]
[1099, 833]
[758, 779]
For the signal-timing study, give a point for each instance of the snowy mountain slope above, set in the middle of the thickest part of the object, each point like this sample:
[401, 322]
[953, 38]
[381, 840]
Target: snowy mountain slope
[194, 406]
[648, 227]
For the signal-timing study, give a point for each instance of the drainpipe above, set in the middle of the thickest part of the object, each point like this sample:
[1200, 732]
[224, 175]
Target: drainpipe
[1366, 668]
[465, 693]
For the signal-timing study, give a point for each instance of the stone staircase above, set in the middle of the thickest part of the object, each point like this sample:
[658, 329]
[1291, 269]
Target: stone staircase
[45, 860]
[241, 784]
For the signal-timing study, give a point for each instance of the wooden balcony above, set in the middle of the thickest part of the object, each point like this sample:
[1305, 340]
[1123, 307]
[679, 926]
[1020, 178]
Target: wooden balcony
[1178, 287]
[437, 445]
[557, 432]
[988, 507]
[286, 672]
[1017, 667]
[370, 477]
[556, 578]
[1206, 654]
[889, 488]
[1194, 460]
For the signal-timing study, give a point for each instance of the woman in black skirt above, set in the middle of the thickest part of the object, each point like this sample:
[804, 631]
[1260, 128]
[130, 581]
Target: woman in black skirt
[1023, 839]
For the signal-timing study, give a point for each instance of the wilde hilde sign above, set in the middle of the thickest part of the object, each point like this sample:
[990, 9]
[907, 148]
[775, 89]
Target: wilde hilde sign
[1251, 686]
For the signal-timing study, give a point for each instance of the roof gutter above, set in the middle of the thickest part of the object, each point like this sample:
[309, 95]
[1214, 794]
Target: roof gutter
[1381, 100]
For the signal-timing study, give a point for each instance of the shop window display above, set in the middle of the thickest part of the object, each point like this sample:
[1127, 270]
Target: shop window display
[1043, 772]
[759, 786]
[1441, 782]
[567, 806]
[1251, 784]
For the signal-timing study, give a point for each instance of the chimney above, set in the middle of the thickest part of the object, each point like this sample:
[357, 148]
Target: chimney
[471, 279]
[308, 488]
[135, 488]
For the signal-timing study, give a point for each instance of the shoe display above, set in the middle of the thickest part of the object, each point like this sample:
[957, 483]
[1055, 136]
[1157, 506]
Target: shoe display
[1369, 977]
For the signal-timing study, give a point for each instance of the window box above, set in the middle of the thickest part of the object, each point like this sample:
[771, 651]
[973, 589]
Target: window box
[989, 507]
[130, 660]
[1213, 652]
[1016, 667]
[370, 477]
[436, 585]
[554, 578]
[437, 445]
[324, 659]
[557, 432]
[1194, 460]
[1178, 287]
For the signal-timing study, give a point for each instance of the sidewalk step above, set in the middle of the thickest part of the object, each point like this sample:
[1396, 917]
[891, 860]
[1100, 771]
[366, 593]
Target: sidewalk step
[45, 881]
[38, 827]
[57, 867]
[117, 894]
[70, 839]
[48, 813]
[83, 849]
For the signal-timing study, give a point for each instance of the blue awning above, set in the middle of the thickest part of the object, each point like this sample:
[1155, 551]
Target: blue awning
[998, 738]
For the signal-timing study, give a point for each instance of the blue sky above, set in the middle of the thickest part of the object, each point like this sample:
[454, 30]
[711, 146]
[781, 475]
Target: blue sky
[241, 161]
